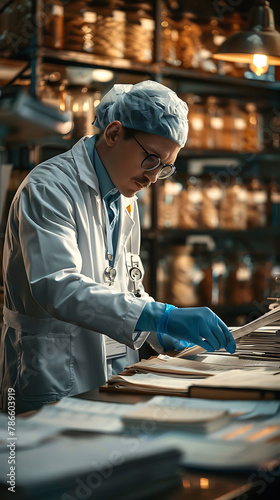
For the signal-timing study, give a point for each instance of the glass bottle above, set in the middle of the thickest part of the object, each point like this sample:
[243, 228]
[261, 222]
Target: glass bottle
[170, 36]
[253, 141]
[54, 26]
[233, 206]
[110, 32]
[185, 277]
[189, 41]
[256, 204]
[212, 193]
[234, 127]
[168, 204]
[139, 34]
[219, 275]
[239, 284]
[80, 102]
[274, 205]
[196, 119]
[190, 204]
[214, 124]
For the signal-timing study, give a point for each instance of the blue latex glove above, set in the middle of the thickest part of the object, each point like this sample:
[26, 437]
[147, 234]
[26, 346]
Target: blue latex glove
[199, 325]
[171, 344]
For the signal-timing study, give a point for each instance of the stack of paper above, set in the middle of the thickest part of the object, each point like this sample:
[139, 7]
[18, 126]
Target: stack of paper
[95, 468]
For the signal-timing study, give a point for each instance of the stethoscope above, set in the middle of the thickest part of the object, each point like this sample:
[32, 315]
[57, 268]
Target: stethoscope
[133, 261]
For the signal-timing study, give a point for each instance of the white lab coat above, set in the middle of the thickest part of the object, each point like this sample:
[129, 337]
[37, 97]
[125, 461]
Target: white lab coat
[57, 305]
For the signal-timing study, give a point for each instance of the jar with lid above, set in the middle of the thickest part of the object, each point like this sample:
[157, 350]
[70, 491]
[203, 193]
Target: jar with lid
[80, 102]
[185, 277]
[168, 204]
[253, 140]
[214, 121]
[273, 212]
[212, 193]
[239, 283]
[233, 207]
[196, 120]
[256, 203]
[109, 31]
[139, 33]
[219, 275]
[263, 265]
[170, 37]
[189, 41]
[54, 26]
[79, 27]
[234, 127]
[190, 204]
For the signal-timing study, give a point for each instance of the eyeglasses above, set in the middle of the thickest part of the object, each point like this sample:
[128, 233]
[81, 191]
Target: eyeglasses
[151, 162]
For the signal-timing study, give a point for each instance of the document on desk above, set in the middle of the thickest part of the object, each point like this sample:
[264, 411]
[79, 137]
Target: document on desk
[150, 383]
[235, 384]
[79, 414]
[264, 320]
[169, 365]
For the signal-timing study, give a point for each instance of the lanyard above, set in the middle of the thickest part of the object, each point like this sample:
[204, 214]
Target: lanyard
[109, 272]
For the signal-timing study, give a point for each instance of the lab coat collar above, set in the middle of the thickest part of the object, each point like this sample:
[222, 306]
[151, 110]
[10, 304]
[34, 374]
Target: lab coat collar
[84, 165]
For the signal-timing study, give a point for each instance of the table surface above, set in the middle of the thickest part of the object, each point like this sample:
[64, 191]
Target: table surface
[206, 486]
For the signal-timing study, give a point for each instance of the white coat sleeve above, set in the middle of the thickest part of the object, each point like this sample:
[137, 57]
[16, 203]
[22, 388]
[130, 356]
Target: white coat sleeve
[53, 264]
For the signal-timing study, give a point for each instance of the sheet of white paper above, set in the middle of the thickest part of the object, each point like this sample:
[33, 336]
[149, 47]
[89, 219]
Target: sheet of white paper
[247, 409]
[236, 379]
[156, 381]
[79, 414]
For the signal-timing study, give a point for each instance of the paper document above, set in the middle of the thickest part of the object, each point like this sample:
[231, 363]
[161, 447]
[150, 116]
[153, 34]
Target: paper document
[237, 333]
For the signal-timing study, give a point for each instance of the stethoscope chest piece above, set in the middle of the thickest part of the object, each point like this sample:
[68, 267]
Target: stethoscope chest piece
[110, 275]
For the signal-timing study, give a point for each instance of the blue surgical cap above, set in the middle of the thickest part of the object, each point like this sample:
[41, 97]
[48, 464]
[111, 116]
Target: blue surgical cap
[147, 106]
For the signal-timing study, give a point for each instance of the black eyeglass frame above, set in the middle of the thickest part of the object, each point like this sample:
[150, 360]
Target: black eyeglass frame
[173, 168]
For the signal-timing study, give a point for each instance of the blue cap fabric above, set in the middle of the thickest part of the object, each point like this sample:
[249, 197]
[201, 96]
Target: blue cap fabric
[147, 106]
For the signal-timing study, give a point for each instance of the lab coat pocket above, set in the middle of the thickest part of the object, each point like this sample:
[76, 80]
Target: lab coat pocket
[45, 366]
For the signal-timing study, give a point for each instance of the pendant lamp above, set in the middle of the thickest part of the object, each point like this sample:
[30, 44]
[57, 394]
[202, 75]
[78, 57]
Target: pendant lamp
[258, 46]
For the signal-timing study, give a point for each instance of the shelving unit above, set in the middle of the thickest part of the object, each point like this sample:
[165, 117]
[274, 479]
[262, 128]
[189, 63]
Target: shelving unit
[264, 164]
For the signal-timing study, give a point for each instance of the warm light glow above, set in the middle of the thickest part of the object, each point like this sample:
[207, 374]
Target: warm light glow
[260, 64]
[75, 107]
[204, 483]
[86, 106]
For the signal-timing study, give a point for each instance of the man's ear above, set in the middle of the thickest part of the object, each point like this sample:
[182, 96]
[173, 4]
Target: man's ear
[113, 132]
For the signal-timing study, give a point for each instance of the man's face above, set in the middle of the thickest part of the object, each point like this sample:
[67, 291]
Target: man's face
[124, 157]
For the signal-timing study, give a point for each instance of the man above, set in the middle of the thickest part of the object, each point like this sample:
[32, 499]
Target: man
[71, 267]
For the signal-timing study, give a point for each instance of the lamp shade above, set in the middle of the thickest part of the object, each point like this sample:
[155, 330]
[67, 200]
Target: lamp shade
[260, 38]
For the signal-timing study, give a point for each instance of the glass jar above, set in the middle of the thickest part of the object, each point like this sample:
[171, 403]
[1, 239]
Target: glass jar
[274, 205]
[54, 26]
[139, 34]
[234, 127]
[189, 41]
[168, 204]
[185, 277]
[233, 207]
[212, 193]
[219, 276]
[196, 118]
[190, 204]
[170, 37]
[110, 32]
[214, 121]
[256, 204]
[80, 102]
[240, 287]
[253, 140]
[79, 27]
